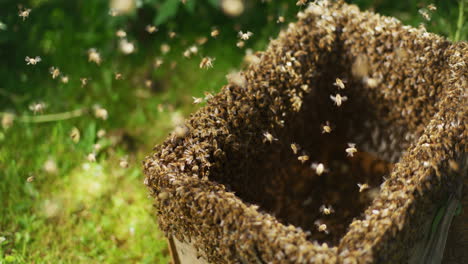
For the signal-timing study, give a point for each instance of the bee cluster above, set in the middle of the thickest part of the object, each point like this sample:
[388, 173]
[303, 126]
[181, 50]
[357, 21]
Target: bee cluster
[266, 173]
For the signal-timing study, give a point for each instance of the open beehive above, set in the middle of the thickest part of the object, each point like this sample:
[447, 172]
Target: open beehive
[230, 189]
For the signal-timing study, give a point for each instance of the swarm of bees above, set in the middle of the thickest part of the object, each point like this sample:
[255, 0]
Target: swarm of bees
[232, 171]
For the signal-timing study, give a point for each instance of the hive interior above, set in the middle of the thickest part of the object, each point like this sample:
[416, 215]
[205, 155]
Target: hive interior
[281, 185]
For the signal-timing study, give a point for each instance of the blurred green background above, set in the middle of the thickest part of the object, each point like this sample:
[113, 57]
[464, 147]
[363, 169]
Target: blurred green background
[58, 204]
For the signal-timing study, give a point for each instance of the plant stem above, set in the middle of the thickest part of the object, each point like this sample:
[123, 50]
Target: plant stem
[460, 20]
[50, 117]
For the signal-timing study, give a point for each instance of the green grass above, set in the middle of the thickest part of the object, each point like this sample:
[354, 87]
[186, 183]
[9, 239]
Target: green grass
[98, 212]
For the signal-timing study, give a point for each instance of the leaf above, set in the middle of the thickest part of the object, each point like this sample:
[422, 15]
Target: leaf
[166, 11]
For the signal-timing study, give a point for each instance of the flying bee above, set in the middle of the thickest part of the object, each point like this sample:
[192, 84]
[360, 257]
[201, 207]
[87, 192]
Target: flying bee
[64, 79]
[326, 210]
[319, 168]
[206, 63]
[245, 36]
[91, 157]
[32, 61]
[214, 33]
[197, 100]
[321, 227]
[269, 137]
[363, 186]
[303, 158]
[301, 2]
[424, 14]
[172, 34]
[24, 13]
[295, 148]
[280, 19]
[151, 29]
[165, 48]
[75, 135]
[118, 76]
[432, 7]
[123, 163]
[55, 72]
[84, 81]
[339, 83]
[326, 128]
[37, 107]
[94, 56]
[338, 99]
[240, 44]
[351, 149]
[120, 33]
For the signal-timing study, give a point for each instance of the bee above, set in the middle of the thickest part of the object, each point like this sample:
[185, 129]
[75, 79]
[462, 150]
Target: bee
[64, 79]
[245, 36]
[75, 135]
[100, 113]
[201, 40]
[301, 2]
[121, 34]
[193, 49]
[295, 148]
[363, 186]
[339, 83]
[123, 163]
[24, 13]
[37, 107]
[269, 137]
[206, 63]
[101, 133]
[424, 14]
[84, 81]
[126, 47]
[118, 76]
[30, 178]
[97, 147]
[148, 83]
[326, 210]
[55, 72]
[165, 48]
[351, 149]
[94, 56]
[158, 62]
[319, 168]
[321, 227]
[338, 99]
[208, 95]
[240, 44]
[303, 158]
[280, 19]
[7, 120]
[151, 29]
[32, 61]
[197, 100]
[172, 34]
[432, 7]
[214, 33]
[91, 157]
[326, 128]
[187, 53]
